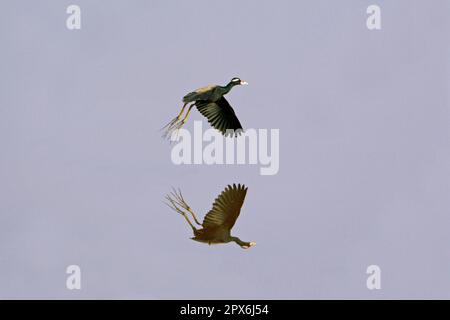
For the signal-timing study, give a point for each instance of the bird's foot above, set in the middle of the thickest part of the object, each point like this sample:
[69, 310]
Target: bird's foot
[168, 128]
[172, 130]
[171, 123]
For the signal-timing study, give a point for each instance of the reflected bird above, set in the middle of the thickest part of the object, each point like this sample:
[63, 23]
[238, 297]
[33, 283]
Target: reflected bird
[218, 222]
[210, 103]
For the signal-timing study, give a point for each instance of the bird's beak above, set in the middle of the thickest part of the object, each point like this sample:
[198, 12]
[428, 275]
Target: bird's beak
[251, 244]
[244, 83]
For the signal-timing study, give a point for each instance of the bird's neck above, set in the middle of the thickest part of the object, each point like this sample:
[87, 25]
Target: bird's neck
[240, 242]
[228, 87]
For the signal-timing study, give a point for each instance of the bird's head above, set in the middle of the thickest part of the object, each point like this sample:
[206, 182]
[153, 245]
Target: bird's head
[236, 81]
[243, 244]
[248, 245]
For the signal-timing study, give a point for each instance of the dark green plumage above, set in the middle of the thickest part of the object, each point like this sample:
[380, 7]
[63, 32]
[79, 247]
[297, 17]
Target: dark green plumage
[211, 104]
[221, 116]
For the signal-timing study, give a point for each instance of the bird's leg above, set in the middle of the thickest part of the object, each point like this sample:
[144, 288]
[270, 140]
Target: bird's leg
[182, 110]
[182, 203]
[189, 221]
[175, 120]
[180, 124]
[174, 207]
[170, 126]
[187, 114]
[175, 125]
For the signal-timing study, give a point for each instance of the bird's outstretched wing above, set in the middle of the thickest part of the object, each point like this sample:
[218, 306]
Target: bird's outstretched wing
[200, 94]
[220, 115]
[226, 207]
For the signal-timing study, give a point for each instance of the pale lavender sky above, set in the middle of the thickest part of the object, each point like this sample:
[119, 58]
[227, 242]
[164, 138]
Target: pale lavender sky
[364, 148]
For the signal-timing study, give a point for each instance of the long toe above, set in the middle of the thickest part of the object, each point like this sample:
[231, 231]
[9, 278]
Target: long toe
[173, 128]
[170, 128]
[171, 123]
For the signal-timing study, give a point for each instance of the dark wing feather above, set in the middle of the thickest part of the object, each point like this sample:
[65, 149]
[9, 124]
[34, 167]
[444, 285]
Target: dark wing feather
[220, 115]
[226, 207]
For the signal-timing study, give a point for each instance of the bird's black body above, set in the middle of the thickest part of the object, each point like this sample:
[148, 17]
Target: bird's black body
[211, 103]
[211, 93]
[212, 235]
[218, 222]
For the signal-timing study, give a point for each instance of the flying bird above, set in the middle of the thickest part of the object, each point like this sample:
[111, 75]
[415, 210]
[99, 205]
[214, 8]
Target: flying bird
[218, 222]
[210, 103]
